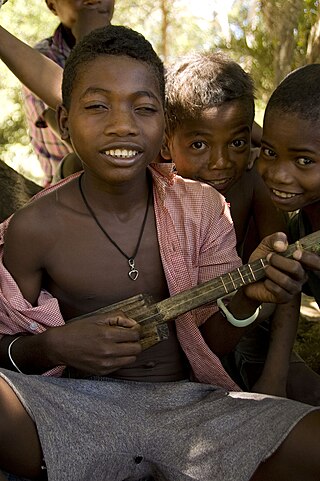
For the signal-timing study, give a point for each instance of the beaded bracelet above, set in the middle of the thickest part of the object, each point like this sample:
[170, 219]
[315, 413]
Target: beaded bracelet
[10, 355]
[236, 322]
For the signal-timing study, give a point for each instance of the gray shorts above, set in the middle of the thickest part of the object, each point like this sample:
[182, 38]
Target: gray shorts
[116, 430]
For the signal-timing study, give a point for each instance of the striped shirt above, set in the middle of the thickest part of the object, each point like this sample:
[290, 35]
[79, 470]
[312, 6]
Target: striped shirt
[49, 148]
[197, 243]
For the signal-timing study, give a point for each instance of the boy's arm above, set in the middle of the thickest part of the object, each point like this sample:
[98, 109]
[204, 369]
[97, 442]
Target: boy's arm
[284, 280]
[40, 74]
[97, 345]
[284, 325]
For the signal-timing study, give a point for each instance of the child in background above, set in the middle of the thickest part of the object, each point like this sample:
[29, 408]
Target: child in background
[290, 156]
[129, 413]
[209, 116]
[76, 20]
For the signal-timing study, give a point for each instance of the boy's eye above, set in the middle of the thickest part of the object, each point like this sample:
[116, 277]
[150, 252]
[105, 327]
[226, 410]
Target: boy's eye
[146, 109]
[268, 152]
[304, 161]
[198, 145]
[238, 143]
[96, 106]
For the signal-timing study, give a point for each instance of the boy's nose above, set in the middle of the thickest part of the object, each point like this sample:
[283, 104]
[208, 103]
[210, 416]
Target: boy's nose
[121, 123]
[219, 159]
[278, 171]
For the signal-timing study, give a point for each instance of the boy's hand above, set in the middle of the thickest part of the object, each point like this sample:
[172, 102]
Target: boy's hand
[97, 345]
[284, 277]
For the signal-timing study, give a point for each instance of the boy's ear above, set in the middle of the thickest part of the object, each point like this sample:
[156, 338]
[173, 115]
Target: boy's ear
[51, 5]
[62, 119]
[165, 150]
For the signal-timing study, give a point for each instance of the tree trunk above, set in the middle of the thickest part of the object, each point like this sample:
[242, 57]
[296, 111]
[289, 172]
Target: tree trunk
[281, 20]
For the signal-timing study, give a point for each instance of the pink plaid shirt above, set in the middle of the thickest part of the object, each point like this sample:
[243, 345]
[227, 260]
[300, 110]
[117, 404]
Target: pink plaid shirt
[197, 243]
[47, 145]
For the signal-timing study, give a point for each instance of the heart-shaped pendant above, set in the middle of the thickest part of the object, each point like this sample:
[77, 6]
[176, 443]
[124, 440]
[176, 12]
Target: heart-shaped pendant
[133, 274]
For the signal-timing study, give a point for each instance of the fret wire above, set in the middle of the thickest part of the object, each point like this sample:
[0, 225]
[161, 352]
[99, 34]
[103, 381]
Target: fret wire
[241, 275]
[224, 285]
[262, 262]
[211, 290]
[252, 273]
[234, 285]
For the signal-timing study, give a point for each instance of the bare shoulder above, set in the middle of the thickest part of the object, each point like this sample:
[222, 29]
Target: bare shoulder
[45, 214]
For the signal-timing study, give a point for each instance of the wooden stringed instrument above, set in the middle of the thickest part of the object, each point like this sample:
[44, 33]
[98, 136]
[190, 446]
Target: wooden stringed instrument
[153, 317]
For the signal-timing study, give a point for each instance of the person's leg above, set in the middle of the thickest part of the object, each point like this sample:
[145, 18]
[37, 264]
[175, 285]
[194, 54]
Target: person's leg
[298, 457]
[303, 383]
[20, 452]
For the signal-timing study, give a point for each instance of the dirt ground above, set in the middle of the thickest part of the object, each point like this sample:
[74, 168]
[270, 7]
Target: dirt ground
[308, 338]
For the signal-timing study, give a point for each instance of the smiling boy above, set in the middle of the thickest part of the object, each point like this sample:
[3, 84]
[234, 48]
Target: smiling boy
[290, 161]
[124, 227]
[209, 116]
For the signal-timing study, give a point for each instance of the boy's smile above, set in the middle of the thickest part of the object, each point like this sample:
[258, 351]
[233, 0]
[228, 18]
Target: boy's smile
[215, 147]
[115, 120]
[289, 161]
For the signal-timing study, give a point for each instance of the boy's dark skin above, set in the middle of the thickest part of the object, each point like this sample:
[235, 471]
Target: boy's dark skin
[78, 17]
[290, 165]
[226, 168]
[215, 148]
[115, 104]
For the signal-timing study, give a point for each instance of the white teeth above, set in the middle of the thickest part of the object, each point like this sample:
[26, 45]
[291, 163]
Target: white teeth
[123, 154]
[215, 182]
[212, 181]
[219, 182]
[283, 195]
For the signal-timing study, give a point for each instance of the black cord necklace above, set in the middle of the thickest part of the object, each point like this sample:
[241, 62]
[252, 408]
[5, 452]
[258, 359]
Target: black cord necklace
[133, 272]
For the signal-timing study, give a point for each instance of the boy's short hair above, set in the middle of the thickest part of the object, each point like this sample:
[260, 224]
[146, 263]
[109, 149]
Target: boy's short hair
[298, 93]
[110, 40]
[203, 80]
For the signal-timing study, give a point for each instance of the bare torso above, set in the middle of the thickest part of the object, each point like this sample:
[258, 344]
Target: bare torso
[85, 271]
[253, 213]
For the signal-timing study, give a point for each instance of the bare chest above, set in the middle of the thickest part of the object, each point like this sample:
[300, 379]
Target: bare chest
[90, 271]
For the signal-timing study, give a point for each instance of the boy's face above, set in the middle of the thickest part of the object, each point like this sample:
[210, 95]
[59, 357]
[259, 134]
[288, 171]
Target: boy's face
[289, 161]
[68, 11]
[214, 148]
[115, 121]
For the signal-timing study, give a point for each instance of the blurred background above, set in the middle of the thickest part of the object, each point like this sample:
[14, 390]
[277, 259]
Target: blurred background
[269, 38]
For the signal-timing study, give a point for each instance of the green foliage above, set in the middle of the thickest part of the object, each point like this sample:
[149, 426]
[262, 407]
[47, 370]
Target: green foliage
[255, 38]
[184, 32]
[251, 41]
[30, 22]
[249, 45]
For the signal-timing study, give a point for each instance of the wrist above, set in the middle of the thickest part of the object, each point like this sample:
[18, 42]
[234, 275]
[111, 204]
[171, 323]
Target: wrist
[237, 321]
[11, 345]
[241, 309]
